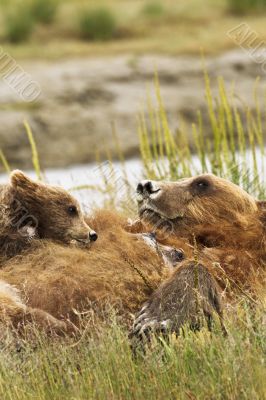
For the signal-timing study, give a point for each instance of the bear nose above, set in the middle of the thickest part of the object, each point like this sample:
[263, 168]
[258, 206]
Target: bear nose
[93, 236]
[145, 186]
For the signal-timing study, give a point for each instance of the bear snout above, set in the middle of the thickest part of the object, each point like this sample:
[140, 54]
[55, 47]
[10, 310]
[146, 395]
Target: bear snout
[86, 238]
[89, 237]
[93, 236]
[147, 189]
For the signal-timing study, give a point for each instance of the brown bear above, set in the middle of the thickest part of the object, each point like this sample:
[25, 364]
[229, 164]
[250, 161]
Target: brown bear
[225, 226]
[15, 313]
[30, 211]
[61, 278]
[41, 226]
[120, 270]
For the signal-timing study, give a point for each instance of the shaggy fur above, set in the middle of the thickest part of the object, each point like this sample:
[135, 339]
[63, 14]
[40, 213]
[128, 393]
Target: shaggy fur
[58, 277]
[118, 270]
[226, 227]
[226, 223]
[174, 303]
[30, 210]
[13, 312]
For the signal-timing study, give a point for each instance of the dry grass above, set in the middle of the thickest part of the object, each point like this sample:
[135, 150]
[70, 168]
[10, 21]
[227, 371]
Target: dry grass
[98, 364]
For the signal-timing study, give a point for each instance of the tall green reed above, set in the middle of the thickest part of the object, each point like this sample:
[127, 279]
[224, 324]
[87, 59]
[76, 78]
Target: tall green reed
[234, 149]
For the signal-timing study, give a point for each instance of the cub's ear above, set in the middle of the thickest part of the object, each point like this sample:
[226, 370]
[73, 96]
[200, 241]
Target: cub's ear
[19, 180]
[262, 209]
[261, 205]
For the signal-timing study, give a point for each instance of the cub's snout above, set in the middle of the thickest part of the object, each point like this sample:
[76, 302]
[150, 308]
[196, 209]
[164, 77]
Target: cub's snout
[93, 236]
[85, 237]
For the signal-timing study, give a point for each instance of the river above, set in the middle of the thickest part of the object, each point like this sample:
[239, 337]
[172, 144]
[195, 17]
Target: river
[74, 177]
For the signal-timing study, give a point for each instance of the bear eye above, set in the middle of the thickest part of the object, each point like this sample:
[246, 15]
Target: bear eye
[72, 210]
[202, 184]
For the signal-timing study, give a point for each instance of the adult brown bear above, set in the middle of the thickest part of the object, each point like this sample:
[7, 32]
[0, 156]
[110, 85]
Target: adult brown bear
[226, 227]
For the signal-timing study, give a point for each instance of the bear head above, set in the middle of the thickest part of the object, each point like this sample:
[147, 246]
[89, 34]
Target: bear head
[212, 209]
[49, 212]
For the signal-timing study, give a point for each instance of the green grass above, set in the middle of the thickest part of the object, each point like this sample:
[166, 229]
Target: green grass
[44, 11]
[142, 27]
[97, 25]
[246, 6]
[235, 150]
[21, 18]
[35, 156]
[153, 9]
[100, 365]
[19, 23]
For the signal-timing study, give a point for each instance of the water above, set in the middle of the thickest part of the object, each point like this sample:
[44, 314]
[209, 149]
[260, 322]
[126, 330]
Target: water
[90, 174]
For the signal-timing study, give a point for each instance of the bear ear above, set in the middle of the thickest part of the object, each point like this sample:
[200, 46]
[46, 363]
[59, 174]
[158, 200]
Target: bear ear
[261, 205]
[262, 210]
[19, 180]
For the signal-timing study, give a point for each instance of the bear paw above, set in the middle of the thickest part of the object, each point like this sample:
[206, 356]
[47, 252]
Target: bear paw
[147, 323]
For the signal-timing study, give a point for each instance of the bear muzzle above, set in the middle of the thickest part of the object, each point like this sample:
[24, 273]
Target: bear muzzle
[86, 239]
[147, 190]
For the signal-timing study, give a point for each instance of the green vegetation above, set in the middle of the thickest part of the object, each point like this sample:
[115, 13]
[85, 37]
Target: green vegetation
[99, 24]
[4, 162]
[246, 6]
[21, 18]
[44, 11]
[153, 9]
[98, 364]
[35, 156]
[181, 27]
[234, 151]
[19, 23]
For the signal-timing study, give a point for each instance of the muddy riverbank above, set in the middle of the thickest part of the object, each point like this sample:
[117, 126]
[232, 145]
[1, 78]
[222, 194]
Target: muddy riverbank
[80, 99]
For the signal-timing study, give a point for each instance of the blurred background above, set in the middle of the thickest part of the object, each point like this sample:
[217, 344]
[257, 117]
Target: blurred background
[81, 73]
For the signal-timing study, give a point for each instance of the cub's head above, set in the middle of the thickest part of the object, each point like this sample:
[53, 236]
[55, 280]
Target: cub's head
[206, 206]
[51, 211]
